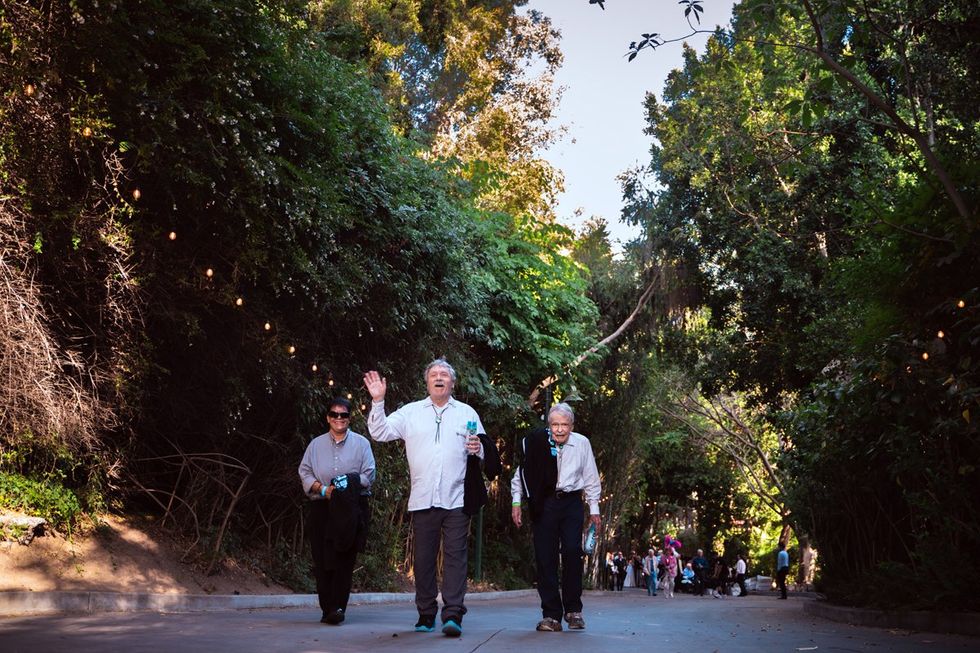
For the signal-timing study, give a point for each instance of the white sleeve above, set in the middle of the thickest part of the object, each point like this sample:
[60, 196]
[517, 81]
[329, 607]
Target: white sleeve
[385, 428]
[516, 487]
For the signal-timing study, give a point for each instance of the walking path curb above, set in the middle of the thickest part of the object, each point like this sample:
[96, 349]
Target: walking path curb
[962, 623]
[31, 603]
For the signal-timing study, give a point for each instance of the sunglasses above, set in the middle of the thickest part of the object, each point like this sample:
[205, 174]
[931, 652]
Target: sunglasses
[336, 415]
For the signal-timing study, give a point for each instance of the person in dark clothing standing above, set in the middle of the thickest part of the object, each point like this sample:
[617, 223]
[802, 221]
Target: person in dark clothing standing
[557, 469]
[337, 471]
[620, 561]
[700, 566]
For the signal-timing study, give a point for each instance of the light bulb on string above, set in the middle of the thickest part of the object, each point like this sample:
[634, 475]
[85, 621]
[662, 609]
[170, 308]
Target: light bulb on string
[330, 382]
[137, 194]
[961, 304]
[87, 132]
[268, 327]
[239, 301]
[209, 273]
[29, 90]
[363, 408]
[350, 396]
[172, 235]
[313, 367]
[941, 334]
[925, 355]
[291, 349]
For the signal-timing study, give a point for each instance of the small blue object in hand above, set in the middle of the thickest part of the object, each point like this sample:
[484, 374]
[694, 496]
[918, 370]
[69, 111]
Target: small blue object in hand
[589, 546]
[340, 482]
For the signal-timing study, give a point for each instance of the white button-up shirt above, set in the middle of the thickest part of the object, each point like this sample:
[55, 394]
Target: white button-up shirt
[577, 471]
[435, 443]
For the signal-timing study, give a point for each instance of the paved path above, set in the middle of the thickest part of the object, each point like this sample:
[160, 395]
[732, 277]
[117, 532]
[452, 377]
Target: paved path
[625, 622]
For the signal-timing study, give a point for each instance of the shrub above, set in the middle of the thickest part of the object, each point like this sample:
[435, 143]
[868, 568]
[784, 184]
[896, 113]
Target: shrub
[52, 501]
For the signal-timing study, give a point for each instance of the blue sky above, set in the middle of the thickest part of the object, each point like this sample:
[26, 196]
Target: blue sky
[602, 107]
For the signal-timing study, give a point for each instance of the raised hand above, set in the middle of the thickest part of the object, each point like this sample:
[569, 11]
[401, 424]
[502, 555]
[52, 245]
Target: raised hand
[376, 385]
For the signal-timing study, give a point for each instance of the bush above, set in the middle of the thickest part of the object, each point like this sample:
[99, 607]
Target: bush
[52, 501]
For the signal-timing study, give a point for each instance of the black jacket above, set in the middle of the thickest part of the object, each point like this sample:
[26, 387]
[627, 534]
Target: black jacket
[349, 516]
[474, 489]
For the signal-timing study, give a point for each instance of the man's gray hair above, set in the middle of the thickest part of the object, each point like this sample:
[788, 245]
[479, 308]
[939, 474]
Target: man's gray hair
[439, 362]
[562, 408]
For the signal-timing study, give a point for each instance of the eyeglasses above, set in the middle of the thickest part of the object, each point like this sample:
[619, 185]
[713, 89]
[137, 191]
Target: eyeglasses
[336, 415]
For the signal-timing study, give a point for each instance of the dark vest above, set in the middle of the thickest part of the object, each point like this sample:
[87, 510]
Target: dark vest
[539, 470]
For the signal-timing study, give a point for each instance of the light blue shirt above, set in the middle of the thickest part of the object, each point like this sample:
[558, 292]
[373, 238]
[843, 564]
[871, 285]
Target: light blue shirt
[782, 560]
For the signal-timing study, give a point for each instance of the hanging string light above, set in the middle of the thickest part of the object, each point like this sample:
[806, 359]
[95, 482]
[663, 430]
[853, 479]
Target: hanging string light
[925, 355]
[291, 350]
[330, 382]
[961, 304]
[313, 367]
[209, 273]
[137, 194]
[940, 334]
[239, 301]
[172, 235]
[268, 327]
[87, 132]
[29, 90]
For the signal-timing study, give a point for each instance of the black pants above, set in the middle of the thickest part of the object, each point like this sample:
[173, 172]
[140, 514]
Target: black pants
[699, 582]
[332, 569]
[740, 579]
[781, 580]
[558, 535]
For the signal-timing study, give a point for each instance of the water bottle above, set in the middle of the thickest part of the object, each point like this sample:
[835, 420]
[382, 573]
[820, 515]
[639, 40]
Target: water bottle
[589, 546]
[470, 433]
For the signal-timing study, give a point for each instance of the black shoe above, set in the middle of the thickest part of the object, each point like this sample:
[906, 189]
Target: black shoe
[426, 624]
[334, 617]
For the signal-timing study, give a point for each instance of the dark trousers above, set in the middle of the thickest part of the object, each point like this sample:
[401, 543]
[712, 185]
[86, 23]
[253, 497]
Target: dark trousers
[332, 570]
[558, 536]
[781, 580]
[740, 579]
[699, 582]
[451, 527]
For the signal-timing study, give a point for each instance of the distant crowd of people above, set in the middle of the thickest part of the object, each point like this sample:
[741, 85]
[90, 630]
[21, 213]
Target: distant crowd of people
[665, 570]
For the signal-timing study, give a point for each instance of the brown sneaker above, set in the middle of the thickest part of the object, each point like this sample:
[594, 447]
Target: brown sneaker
[549, 625]
[575, 621]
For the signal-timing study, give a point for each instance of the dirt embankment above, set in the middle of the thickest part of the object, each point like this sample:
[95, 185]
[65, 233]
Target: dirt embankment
[121, 554]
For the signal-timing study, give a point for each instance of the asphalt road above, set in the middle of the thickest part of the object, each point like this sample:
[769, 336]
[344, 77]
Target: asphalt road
[623, 622]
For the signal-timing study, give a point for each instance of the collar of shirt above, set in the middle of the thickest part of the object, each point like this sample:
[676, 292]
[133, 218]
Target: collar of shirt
[428, 402]
[336, 441]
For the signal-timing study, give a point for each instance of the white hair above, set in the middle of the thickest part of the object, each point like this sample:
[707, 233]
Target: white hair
[439, 362]
[562, 408]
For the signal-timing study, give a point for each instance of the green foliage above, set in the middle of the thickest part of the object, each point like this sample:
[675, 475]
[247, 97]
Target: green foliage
[41, 498]
[820, 216]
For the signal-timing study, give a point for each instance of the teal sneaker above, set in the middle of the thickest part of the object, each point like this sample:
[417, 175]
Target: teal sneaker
[451, 629]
